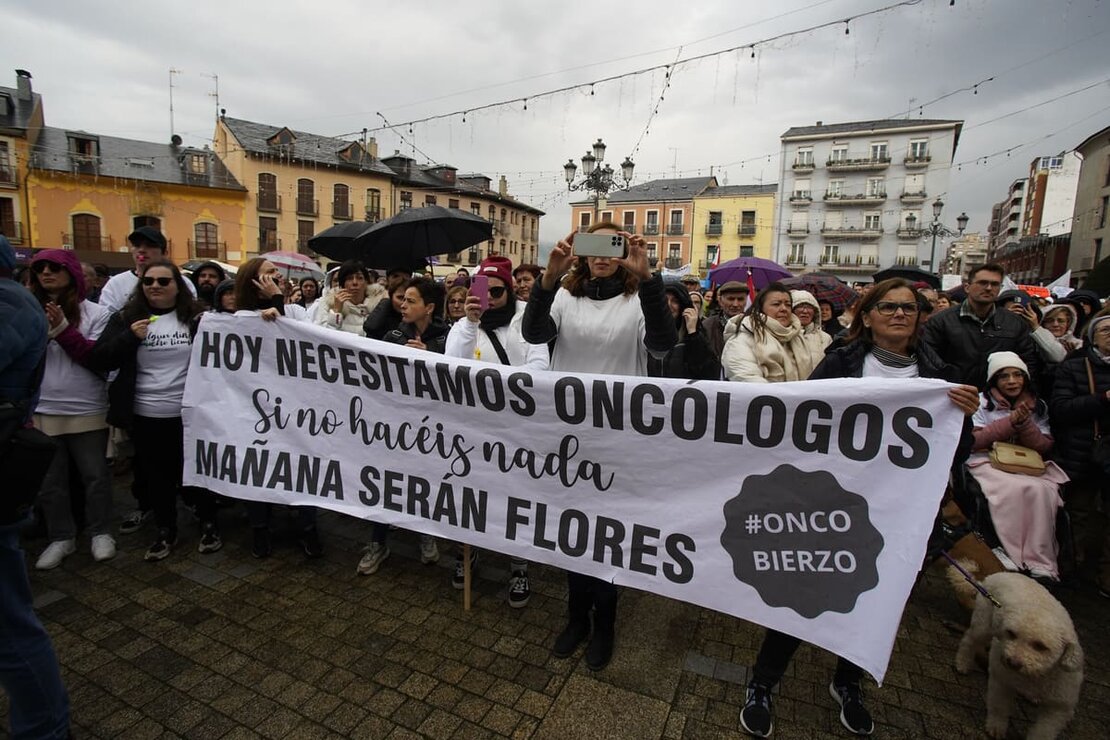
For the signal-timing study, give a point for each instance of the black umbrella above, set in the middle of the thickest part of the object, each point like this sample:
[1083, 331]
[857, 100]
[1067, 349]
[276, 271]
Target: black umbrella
[913, 274]
[408, 239]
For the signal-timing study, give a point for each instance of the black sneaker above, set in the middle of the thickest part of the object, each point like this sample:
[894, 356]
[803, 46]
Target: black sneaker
[261, 547]
[209, 539]
[519, 589]
[310, 542]
[457, 580]
[134, 521]
[570, 638]
[163, 545]
[853, 715]
[756, 717]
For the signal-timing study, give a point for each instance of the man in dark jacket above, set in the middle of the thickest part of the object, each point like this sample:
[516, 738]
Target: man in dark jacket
[206, 277]
[729, 301]
[965, 334]
[28, 667]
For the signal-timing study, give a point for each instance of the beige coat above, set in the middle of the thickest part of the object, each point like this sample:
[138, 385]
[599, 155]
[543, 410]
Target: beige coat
[780, 354]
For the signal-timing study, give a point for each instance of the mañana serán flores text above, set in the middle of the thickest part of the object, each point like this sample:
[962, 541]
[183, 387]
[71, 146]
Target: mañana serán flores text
[570, 532]
[640, 405]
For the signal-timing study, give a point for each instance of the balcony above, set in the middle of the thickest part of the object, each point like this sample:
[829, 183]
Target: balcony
[916, 161]
[829, 260]
[8, 178]
[796, 263]
[857, 263]
[797, 229]
[630, 228]
[342, 210]
[801, 197]
[906, 261]
[713, 229]
[675, 230]
[803, 165]
[673, 263]
[535, 234]
[904, 233]
[268, 242]
[651, 230]
[13, 230]
[918, 197]
[862, 164]
[373, 215]
[308, 207]
[207, 250]
[852, 232]
[856, 199]
[90, 243]
[269, 202]
[746, 229]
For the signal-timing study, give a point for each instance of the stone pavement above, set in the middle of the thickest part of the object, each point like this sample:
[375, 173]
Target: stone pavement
[226, 646]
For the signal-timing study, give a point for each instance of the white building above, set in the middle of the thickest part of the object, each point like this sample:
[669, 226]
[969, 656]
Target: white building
[847, 189]
[967, 250]
[1050, 197]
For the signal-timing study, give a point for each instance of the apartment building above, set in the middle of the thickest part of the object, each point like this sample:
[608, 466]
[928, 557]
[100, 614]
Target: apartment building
[967, 250]
[731, 221]
[1007, 226]
[1090, 232]
[1050, 194]
[660, 210]
[20, 121]
[848, 191]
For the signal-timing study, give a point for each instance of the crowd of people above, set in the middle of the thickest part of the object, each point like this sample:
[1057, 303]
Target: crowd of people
[99, 367]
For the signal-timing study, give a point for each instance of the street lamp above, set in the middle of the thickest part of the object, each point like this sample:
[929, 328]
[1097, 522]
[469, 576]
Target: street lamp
[936, 228]
[598, 178]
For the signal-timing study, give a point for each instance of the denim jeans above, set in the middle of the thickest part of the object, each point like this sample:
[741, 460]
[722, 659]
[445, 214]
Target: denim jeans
[87, 452]
[28, 667]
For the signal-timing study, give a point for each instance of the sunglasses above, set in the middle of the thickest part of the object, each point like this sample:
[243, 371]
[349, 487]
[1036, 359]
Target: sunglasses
[163, 281]
[889, 308]
[43, 265]
[497, 291]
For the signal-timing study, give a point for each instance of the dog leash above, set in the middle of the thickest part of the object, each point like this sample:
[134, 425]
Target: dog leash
[971, 579]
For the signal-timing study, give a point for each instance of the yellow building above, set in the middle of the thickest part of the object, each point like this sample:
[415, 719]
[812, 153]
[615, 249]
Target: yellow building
[20, 122]
[88, 192]
[734, 221]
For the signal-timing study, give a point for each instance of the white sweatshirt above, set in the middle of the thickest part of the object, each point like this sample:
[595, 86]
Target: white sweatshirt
[67, 388]
[466, 339]
[605, 337]
[119, 288]
[162, 363]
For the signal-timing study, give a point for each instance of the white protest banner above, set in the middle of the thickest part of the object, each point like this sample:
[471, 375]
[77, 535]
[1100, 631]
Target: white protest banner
[800, 506]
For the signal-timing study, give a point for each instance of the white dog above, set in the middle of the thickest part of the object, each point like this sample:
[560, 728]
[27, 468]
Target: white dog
[1034, 652]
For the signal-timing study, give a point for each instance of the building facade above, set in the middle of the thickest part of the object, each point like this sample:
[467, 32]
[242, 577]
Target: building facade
[21, 120]
[1090, 235]
[847, 190]
[731, 221]
[1008, 224]
[964, 252]
[1050, 194]
[662, 211]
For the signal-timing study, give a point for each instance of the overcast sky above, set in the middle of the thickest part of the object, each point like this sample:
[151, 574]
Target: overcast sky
[330, 66]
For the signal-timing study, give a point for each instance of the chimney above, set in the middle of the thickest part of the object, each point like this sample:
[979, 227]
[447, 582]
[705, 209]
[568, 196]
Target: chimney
[818, 123]
[23, 84]
[503, 187]
[372, 147]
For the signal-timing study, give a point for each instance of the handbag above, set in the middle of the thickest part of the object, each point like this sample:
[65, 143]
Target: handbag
[1016, 459]
[1100, 450]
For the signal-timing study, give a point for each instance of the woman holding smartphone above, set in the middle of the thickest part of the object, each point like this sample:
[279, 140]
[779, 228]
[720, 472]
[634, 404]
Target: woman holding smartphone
[608, 314]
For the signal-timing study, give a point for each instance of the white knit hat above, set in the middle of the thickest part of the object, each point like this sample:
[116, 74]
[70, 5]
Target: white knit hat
[998, 361]
[803, 298]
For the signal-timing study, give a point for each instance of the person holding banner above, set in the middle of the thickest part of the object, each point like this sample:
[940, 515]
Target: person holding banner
[606, 315]
[769, 345]
[493, 335]
[257, 293]
[421, 328]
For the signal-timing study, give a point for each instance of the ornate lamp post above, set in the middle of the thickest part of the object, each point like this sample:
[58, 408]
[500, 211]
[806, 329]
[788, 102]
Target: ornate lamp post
[936, 228]
[598, 178]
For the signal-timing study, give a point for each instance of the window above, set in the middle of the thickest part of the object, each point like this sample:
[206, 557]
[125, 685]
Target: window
[799, 223]
[1102, 211]
[1098, 251]
[875, 187]
[7, 172]
[711, 251]
[83, 148]
[651, 222]
[747, 223]
[429, 200]
[86, 232]
[583, 221]
[476, 209]
[198, 164]
[629, 221]
[675, 227]
[373, 204]
[205, 243]
[341, 201]
[305, 230]
[267, 234]
[306, 197]
[834, 220]
[747, 250]
[7, 220]
[406, 200]
[917, 219]
[879, 151]
[868, 254]
[453, 203]
[836, 188]
[831, 254]
[1051, 163]
[502, 247]
[674, 251]
[797, 254]
[138, 222]
[872, 221]
[715, 223]
[805, 157]
[801, 188]
[839, 153]
[268, 199]
[915, 185]
[651, 250]
[919, 148]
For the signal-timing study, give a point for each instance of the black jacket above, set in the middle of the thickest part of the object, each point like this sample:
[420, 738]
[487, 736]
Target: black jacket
[434, 337]
[965, 344]
[1073, 411]
[692, 357]
[382, 320]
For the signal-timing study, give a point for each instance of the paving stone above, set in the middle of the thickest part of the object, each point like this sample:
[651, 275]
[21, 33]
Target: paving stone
[612, 712]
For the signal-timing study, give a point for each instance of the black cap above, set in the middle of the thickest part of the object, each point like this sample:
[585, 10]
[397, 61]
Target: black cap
[147, 234]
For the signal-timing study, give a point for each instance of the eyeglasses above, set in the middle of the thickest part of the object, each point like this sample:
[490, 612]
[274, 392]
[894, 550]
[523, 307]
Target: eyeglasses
[457, 301]
[163, 281]
[889, 308]
[988, 283]
[497, 291]
[43, 265]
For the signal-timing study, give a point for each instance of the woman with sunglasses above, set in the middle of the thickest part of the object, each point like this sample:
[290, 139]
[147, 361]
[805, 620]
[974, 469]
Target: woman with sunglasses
[148, 341]
[882, 343]
[72, 409]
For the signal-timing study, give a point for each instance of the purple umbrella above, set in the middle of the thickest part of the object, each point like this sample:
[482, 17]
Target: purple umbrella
[762, 271]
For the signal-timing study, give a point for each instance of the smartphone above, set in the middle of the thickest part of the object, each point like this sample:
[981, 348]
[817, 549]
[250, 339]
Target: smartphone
[600, 245]
[479, 286]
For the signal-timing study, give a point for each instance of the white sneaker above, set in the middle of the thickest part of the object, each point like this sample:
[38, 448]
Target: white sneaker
[103, 547]
[429, 551]
[55, 553]
[373, 559]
